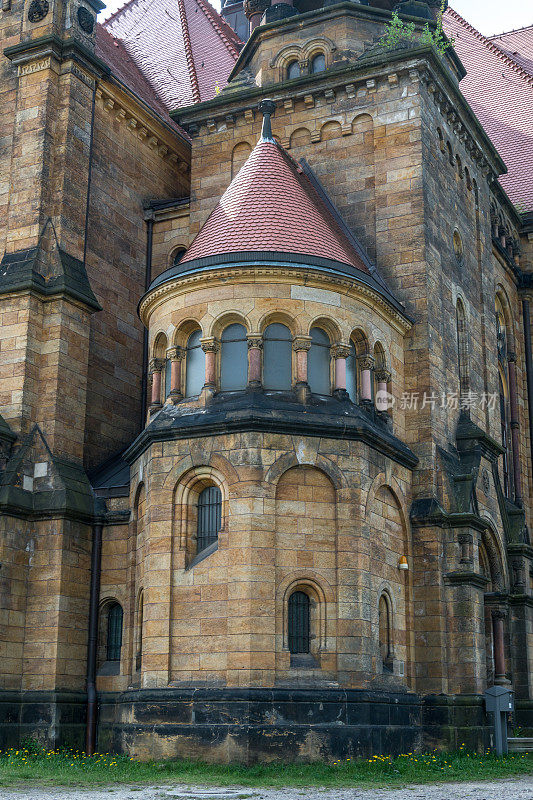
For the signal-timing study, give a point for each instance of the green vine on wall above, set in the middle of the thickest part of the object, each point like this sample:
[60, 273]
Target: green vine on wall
[397, 31]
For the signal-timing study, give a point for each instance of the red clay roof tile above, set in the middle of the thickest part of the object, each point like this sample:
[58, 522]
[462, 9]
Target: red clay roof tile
[272, 206]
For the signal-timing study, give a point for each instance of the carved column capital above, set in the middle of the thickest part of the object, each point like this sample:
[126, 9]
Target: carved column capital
[382, 375]
[341, 351]
[367, 362]
[255, 340]
[301, 343]
[156, 365]
[498, 613]
[210, 345]
[176, 353]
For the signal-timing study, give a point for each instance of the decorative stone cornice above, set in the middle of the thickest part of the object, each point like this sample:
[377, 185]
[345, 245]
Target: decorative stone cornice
[210, 278]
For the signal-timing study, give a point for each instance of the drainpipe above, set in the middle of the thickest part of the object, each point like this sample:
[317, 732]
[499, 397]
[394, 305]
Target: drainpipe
[147, 281]
[529, 367]
[92, 705]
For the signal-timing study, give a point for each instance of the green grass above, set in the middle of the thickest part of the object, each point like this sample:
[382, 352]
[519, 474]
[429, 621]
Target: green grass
[34, 766]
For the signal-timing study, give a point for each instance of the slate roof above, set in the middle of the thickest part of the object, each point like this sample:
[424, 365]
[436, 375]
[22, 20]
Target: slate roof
[271, 204]
[184, 49]
[500, 91]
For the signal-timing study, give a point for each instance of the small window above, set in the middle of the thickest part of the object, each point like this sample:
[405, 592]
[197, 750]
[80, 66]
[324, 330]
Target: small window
[209, 517]
[277, 357]
[293, 70]
[318, 64]
[385, 638]
[318, 362]
[194, 365]
[351, 374]
[234, 358]
[299, 623]
[178, 255]
[168, 376]
[114, 632]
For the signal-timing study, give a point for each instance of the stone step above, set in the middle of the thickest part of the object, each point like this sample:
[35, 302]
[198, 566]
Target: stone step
[520, 744]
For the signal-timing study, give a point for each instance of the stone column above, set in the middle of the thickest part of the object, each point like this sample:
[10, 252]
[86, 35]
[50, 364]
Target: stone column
[301, 346]
[255, 345]
[383, 377]
[340, 353]
[515, 429]
[254, 10]
[156, 368]
[176, 355]
[498, 639]
[210, 347]
[366, 365]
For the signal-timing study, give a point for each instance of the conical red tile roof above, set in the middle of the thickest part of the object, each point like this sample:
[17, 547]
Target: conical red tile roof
[271, 206]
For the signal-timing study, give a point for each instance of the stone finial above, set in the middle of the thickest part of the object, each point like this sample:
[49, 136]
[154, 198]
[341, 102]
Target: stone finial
[267, 108]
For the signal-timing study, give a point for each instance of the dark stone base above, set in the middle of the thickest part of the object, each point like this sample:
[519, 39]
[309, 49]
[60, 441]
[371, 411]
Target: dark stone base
[56, 719]
[250, 725]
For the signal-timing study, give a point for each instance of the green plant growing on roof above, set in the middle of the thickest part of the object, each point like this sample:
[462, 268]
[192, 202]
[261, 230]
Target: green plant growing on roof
[397, 31]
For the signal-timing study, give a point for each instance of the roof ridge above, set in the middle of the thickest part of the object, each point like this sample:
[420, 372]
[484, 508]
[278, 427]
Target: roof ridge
[510, 62]
[513, 30]
[189, 54]
[212, 15]
[117, 12]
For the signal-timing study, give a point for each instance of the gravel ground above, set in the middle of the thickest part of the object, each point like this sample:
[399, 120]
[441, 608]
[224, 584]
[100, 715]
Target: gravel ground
[511, 789]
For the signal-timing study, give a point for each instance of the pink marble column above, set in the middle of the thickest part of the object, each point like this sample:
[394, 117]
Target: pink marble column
[366, 365]
[210, 348]
[255, 345]
[383, 377]
[156, 368]
[340, 353]
[301, 345]
[498, 640]
[176, 355]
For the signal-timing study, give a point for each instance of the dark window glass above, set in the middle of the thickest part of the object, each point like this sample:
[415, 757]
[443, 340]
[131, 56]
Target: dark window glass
[168, 376]
[318, 64]
[505, 442]
[178, 255]
[277, 357]
[351, 374]
[293, 70]
[318, 362]
[114, 632]
[299, 623]
[385, 632]
[234, 358]
[194, 365]
[209, 517]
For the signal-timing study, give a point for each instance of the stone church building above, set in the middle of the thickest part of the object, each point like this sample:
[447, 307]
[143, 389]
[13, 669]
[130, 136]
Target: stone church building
[266, 383]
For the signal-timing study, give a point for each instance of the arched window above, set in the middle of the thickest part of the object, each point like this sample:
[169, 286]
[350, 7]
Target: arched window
[140, 620]
[194, 365]
[318, 362]
[351, 373]
[318, 63]
[209, 517]
[234, 358]
[177, 256]
[114, 632]
[168, 376]
[293, 70]
[277, 357]
[501, 334]
[299, 623]
[504, 428]
[385, 633]
[462, 348]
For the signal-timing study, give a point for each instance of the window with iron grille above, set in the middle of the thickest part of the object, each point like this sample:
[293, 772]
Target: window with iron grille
[114, 632]
[209, 517]
[299, 623]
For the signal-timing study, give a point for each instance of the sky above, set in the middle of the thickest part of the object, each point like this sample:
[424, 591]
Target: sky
[488, 16]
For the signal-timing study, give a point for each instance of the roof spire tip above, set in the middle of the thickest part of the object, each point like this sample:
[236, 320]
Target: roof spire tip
[267, 108]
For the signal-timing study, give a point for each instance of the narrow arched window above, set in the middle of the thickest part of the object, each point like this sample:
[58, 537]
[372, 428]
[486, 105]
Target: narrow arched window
[351, 373]
[505, 440]
[194, 365]
[318, 362]
[114, 632]
[462, 348]
[209, 517]
[277, 357]
[385, 632]
[318, 63]
[293, 70]
[140, 621]
[299, 623]
[234, 358]
[168, 376]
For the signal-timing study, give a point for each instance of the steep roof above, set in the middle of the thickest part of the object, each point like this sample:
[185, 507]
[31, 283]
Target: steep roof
[517, 45]
[500, 92]
[272, 205]
[184, 49]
